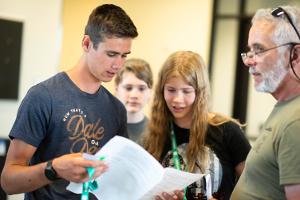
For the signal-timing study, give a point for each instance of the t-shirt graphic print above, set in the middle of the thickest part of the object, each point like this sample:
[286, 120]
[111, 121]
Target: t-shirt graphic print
[209, 184]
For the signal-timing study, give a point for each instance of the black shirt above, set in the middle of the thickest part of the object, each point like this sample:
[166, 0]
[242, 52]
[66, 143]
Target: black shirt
[228, 147]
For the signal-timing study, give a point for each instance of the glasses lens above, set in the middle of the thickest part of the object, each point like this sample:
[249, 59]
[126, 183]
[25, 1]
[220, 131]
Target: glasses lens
[244, 57]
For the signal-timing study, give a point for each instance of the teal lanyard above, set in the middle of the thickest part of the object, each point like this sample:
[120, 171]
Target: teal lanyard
[89, 185]
[175, 153]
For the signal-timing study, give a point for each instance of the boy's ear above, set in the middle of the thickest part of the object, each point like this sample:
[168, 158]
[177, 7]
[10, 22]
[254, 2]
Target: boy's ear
[86, 43]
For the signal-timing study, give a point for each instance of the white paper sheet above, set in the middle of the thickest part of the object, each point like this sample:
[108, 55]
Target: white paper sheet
[134, 174]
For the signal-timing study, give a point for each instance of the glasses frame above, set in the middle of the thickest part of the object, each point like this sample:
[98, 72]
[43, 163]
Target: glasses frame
[252, 54]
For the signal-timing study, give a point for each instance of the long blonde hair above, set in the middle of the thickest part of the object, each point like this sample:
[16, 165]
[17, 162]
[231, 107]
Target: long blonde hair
[191, 68]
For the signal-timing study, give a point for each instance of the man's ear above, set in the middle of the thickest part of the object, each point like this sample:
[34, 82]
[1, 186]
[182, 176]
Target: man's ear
[295, 61]
[295, 57]
[86, 43]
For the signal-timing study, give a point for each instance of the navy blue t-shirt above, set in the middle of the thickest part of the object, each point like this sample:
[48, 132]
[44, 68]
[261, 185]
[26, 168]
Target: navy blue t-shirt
[58, 118]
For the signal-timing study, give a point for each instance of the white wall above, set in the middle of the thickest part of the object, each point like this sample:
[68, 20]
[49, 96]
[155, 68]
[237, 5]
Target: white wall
[223, 73]
[41, 44]
[40, 54]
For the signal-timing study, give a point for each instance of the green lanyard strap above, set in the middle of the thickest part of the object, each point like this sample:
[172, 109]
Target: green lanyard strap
[89, 185]
[175, 153]
[174, 149]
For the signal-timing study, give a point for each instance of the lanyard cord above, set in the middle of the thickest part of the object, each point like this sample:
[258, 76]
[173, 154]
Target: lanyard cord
[174, 149]
[89, 185]
[175, 153]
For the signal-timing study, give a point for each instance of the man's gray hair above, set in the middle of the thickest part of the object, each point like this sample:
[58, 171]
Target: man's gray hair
[284, 31]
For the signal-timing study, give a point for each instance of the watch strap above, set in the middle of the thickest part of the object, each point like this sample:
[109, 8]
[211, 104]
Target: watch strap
[50, 172]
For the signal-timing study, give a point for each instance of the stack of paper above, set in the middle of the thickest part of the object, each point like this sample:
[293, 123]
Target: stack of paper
[134, 174]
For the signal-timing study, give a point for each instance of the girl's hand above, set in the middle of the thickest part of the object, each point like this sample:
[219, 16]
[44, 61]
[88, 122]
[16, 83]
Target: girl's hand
[178, 195]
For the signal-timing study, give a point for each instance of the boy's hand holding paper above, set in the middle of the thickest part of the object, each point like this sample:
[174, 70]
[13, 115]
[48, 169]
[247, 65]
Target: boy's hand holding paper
[134, 174]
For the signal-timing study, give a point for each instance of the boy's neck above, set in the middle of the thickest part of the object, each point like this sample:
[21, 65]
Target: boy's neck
[83, 79]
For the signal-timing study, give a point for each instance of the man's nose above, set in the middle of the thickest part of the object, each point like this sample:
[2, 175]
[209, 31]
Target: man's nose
[250, 62]
[119, 62]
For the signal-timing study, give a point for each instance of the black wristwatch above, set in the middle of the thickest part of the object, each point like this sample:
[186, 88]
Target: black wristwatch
[50, 172]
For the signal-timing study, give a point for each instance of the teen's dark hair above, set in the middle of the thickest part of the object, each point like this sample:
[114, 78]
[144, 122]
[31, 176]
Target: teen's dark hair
[109, 21]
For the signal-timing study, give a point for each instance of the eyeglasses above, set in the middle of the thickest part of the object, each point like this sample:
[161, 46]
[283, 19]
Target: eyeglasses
[278, 12]
[254, 53]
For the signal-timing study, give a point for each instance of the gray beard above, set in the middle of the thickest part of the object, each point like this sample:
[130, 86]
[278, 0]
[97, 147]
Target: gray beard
[272, 78]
